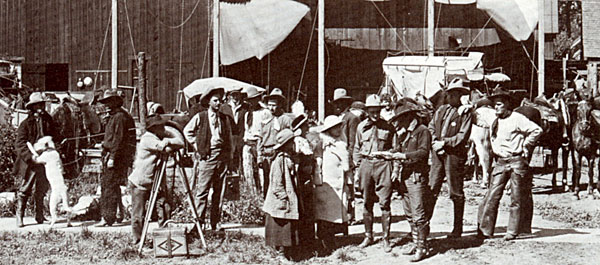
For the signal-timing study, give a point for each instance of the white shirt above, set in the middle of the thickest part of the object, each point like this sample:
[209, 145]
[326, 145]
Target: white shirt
[252, 133]
[514, 133]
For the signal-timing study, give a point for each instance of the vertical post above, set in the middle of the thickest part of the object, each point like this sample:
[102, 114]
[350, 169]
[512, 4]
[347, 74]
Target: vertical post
[115, 49]
[430, 28]
[141, 89]
[321, 62]
[216, 38]
[592, 78]
[564, 72]
[541, 43]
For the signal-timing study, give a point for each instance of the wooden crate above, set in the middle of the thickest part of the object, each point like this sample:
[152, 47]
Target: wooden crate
[170, 242]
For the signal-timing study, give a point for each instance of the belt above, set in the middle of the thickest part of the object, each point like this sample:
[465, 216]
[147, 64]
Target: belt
[510, 158]
[251, 142]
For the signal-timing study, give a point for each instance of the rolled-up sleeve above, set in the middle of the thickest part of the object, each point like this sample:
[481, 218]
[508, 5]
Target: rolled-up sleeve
[531, 131]
[189, 131]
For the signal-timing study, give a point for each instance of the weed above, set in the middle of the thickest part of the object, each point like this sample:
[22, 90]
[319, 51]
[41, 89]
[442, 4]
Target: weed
[343, 255]
[85, 233]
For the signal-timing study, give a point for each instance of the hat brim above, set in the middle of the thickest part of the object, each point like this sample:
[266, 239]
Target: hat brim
[462, 89]
[500, 97]
[275, 97]
[277, 146]
[156, 123]
[106, 99]
[342, 99]
[259, 94]
[403, 114]
[204, 99]
[327, 127]
[302, 122]
[29, 104]
[373, 106]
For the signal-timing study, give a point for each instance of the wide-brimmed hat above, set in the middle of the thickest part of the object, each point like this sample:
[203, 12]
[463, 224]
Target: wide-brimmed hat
[373, 101]
[299, 121]
[276, 94]
[357, 105]
[283, 137]
[36, 97]
[155, 120]
[457, 85]
[234, 90]
[330, 122]
[405, 109]
[500, 94]
[212, 91]
[340, 94]
[111, 94]
[252, 92]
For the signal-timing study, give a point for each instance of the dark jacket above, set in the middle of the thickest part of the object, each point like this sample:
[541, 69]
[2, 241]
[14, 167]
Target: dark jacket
[457, 132]
[119, 138]
[416, 148]
[349, 124]
[237, 127]
[203, 134]
[28, 132]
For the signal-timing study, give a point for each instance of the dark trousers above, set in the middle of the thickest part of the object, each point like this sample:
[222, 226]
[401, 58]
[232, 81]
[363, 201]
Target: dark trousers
[527, 205]
[110, 198]
[451, 167]
[515, 170]
[265, 165]
[416, 195]
[35, 182]
[211, 173]
[139, 197]
[376, 183]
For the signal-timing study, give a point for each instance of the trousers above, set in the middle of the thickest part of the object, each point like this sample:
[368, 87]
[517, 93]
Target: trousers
[515, 170]
[447, 166]
[35, 182]
[211, 173]
[250, 167]
[416, 194]
[376, 183]
[139, 197]
[110, 198]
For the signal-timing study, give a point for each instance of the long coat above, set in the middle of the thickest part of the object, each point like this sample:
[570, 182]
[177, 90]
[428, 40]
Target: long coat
[282, 199]
[28, 131]
[330, 203]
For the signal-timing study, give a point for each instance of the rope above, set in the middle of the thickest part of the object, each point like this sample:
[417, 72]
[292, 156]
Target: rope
[476, 36]
[390, 24]
[209, 22]
[102, 51]
[529, 57]
[306, 55]
[169, 26]
[181, 44]
[130, 34]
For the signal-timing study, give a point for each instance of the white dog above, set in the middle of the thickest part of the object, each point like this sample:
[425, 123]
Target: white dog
[45, 153]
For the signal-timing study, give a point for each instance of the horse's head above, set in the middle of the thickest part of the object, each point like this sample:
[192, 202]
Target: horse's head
[584, 111]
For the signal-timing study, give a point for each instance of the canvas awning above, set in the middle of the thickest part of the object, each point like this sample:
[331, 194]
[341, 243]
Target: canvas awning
[199, 86]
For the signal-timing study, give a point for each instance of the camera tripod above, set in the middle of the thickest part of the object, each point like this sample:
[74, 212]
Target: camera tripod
[156, 185]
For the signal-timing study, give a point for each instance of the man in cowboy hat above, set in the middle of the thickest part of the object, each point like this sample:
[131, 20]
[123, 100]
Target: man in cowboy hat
[342, 102]
[513, 137]
[32, 176]
[236, 109]
[375, 135]
[153, 143]
[450, 129]
[210, 132]
[412, 152]
[118, 148]
[252, 126]
[273, 124]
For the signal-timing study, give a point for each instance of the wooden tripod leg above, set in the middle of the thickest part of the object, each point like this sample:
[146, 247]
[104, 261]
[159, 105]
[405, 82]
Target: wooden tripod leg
[191, 201]
[153, 196]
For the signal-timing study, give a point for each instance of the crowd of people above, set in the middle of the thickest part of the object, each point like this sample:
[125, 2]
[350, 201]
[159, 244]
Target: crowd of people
[309, 174]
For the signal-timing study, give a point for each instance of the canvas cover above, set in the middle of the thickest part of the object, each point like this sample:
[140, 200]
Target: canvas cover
[199, 86]
[518, 17]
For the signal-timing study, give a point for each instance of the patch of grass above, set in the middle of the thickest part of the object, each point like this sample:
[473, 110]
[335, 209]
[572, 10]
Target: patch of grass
[567, 214]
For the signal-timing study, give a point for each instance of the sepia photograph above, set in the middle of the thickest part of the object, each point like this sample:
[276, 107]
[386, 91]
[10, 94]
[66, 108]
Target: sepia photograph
[300, 132]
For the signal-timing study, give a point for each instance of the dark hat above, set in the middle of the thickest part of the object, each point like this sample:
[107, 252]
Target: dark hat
[276, 94]
[405, 109]
[212, 91]
[111, 94]
[299, 121]
[283, 137]
[155, 120]
[501, 95]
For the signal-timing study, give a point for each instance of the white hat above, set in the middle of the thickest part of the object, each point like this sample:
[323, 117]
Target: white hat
[36, 97]
[457, 84]
[373, 101]
[330, 122]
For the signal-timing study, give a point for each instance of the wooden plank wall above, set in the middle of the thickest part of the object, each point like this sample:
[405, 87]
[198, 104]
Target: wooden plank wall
[73, 32]
[591, 32]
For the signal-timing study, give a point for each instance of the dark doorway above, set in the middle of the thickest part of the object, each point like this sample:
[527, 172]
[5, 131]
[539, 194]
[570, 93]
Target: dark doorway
[57, 77]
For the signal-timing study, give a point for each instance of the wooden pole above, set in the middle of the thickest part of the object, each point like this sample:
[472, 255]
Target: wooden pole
[321, 62]
[216, 38]
[592, 79]
[430, 28]
[564, 68]
[541, 43]
[115, 49]
[141, 59]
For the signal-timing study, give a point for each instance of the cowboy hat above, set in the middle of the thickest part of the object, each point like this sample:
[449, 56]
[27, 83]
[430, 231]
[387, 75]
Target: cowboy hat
[340, 94]
[276, 94]
[283, 137]
[155, 120]
[358, 105]
[330, 122]
[211, 91]
[373, 101]
[252, 92]
[405, 109]
[36, 97]
[111, 94]
[500, 94]
[457, 85]
[299, 121]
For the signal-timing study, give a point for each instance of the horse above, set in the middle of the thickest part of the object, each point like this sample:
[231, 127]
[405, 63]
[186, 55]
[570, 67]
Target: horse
[586, 142]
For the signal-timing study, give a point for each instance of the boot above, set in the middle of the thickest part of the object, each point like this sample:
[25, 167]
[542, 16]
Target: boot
[413, 244]
[21, 205]
[459, 209]
[386, 221]
[420, 254]
[421, 251]
[368, 220]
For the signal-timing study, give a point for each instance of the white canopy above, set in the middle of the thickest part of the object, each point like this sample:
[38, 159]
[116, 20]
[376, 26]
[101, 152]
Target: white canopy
[199, 86]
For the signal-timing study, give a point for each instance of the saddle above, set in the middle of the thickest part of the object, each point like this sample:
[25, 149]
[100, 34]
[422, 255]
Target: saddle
[548, 114]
